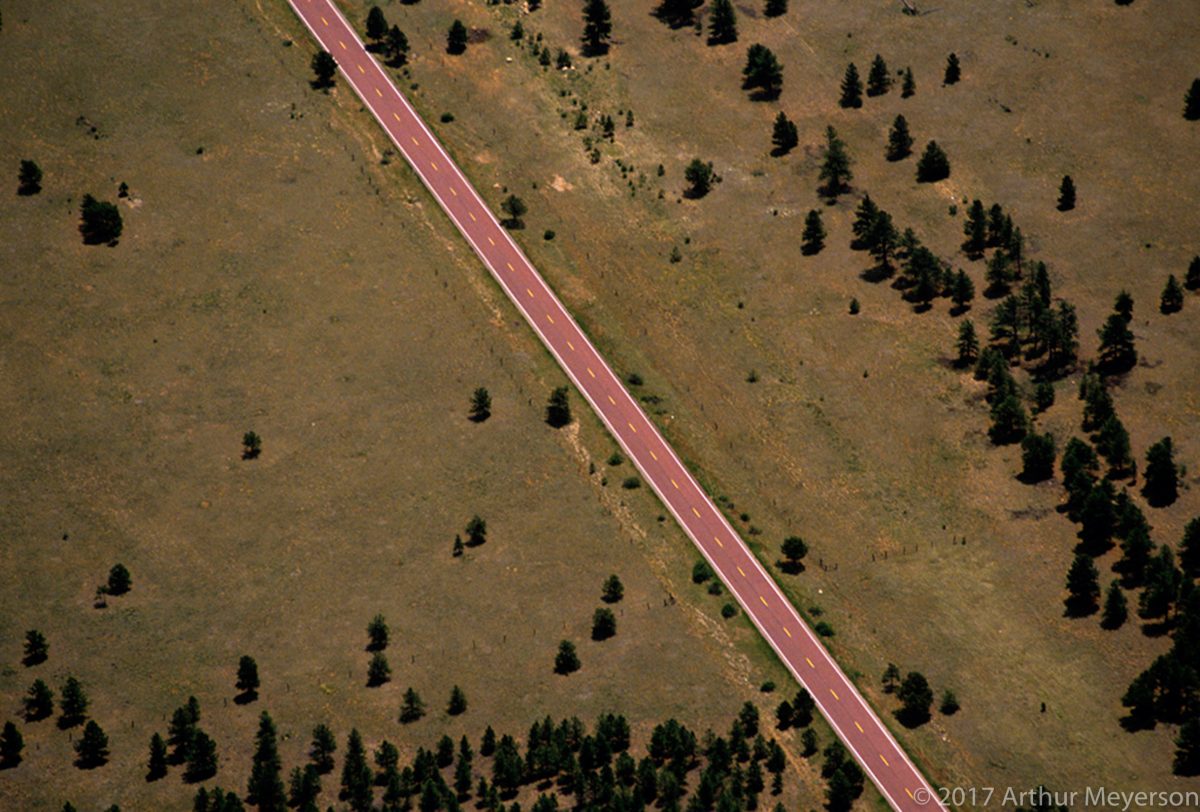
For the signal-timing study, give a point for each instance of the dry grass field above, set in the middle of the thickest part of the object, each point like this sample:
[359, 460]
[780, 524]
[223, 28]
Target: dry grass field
[857, 434]
[278, 273]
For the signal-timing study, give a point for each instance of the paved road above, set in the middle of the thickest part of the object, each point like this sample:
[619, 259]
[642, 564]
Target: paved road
[849, 714]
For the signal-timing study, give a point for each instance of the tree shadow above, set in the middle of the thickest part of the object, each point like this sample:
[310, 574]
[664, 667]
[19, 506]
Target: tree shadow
[245, 697]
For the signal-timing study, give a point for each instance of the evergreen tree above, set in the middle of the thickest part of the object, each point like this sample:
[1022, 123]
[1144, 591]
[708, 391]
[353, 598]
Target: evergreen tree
[962, 291]
[29, 178]
[376, 24]
[864, 220]
[933, 165]
[1136, 550]
[73, 704]
[92, 748]
[953, 70]
[949, 705]
[1123, 306]
[487, 745]
[916, 698]
[700, 178]
[784, 135]
[604, 624]
[413, 708]
[1187, 744]
[597, 27]
[476, 531]
[457, 703]
[882, 239]
[1163, 584]
[1083, 588]
[1115, 609]
[975, 229]
[909, 85]
[890, 678]
[783, 715]
[36, 648]
[1113, 444]
[763, 74]
[813, 238]
[1037, 457]
[775, 8]
[558, 409]
[458, 548]
[803, 708]
[119, 580]
[1172, 297]
[1192, 280]
[321, 751]
[900, 143]
[879, 81]
[809, 741]
[677, 13]
[304, 788]
[566, 661]
[182, 731]
[1189, 549]
[1117, 352]
[203, 760]
[100, 221]
[1097, 520]
[377, 633]
[1009, 421]
[356, 774]
[481, 405]
[722, 23]
[397, 47]
[247, 679]
[265, 788]
[851, 88]
[613, 590]
[324, 68]
[11, 745]
[1191, 102]
[835, 169]
[1162, 475]
[794, 550]
[456, 38]
[156, 764]
[39, 701]
[1043, 395]
[1066, 194]
[463, 776]
[378, 672]
[514, 209]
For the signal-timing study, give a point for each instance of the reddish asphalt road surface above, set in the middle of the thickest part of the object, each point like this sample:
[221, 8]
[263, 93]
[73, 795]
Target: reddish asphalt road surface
[849, 714]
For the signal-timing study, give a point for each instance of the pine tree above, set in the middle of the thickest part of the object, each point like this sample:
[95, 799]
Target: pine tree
[597, 27]
[962, 291]
[456, 38]
[1117, 352]
[247, 679]
[377, 633]
[92, 747]
[1189, 549]
[1083, 588]
[794, 550]
[1113, 444]
[864, 220]
[1162, 474]
[119, 580]
[203, 761]
[397, 47]
[813, 238]
[356, 774]
[1192, 280]
[1037, 457]
[11, 745]
[803, 707]
[1066, 194]
[265, 788]
[879, 81]
[933, 165]
[1009, 421]
[476, 531]
[378, 672]
[613, 590]
[458, 549]
[413, 708]
[677, 13]
[900, 143]
[1136, 551]
[487, 744]
[835, 169]
[1116, 611]
[784, 136]
[909, 85]
[1191, 102]
[722, 23]
[481, 405]
[1187, 744]
[324, 68]
[156, 764]
[558, 409]
[29, 178]
[1123, 306]
[73, 704]
[775, 8]
[916, 698]
[182, 730]
[953, 70]
[566, 661]
[1172, 296]
[457, 703]
[783, 715]
[851, 88]
[763, 73]
[975, 229]
[39, 701]
[36, 648]
[1163, 583]
[321, 751]
[700, 178]
[376, 24]
[604, 624]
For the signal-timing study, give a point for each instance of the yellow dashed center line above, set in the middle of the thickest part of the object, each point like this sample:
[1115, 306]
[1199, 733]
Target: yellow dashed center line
[676, 484]
[718, 541]
[473, 218]
[696, 512]
[549, 318]
[453, 191]
[530, 292]
[909, 791]
[764, 600]
[509, 266]
[325, 21]
[857, 725]
[835, 696]
[360, 69]
[434, 165]
[631, 428]
[379, 93]
[572, 346]
[655, 456]
[884, 760]
[810, 663]
[413, 138]
[742, 571]
[610, 400]
[593, 374]
[342, 44]
[785, 631]
[397, 117]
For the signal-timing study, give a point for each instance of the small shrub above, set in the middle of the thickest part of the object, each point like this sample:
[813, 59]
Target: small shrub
[447, 118]
[728, 611]
[631, 483]
[548, 235]
[824, 629]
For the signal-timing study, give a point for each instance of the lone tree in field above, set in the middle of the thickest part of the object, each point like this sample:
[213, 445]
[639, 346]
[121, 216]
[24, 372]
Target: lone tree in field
[1116, 610]
[1171, 300]
[835, 169]
[36, 648]
[119, 580]
[1117, 352]
[92, 748]
[324, 745]
[396, 47]
[378, 672]
[377, 629]
[775, 8]
[1191, 102]
[251, 446]
[851, 88]
[763, 74]
[29, 178]
[456, 38]
[412, 708]
[558, 408]
[566, 661]
[265, 787]
[1083, 587]
[900, 142]
[156, 763]
[597, 27]
[515, 208]
[11, 745]
[481, 405]
[784, 136]
[908, 85]
[100, 222]
[377, 25]
[934, 165]
[247, 680]
[879, 81]
[324, 68]
[813, 238]
[700, 178]
[1161, 487]
[613, 590]
[916, 698]
[953, 70]
[967, 345]
[39, 701]
[1066, 194]
[73, 703]
[722, 23]
[604, 624]
[457, 703]
[794, 549]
